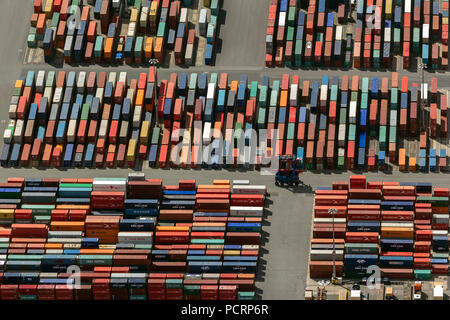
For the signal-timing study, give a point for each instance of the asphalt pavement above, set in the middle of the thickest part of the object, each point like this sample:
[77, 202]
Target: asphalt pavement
[288, 222]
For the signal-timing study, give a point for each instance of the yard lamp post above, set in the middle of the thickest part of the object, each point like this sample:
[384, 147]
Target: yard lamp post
[333, 211]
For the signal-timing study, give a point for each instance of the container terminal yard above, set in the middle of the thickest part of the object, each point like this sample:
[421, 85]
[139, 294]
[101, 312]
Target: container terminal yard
[89, 119]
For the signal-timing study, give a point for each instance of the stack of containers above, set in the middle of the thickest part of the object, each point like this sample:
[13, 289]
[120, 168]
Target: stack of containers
[397, 230]
[438, 235]
[362, 123]
[444, 35]
[39, 200]
[211, 30]
[392, 147]
[321, 257]
[352, 116]
[342, 130]
[311, 130]
[281, 32]
[406, 34]
[270, 32]
[363, 226]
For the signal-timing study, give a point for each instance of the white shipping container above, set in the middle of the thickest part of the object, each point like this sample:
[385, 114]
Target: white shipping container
[99, 94]
[51, 251]
[64, 240]
[338, 34]
[341, 135]
[207, 133]
[211, 93]
[407, 6]
[135, 237]
[144, 17]
[18, 131]
[116, 3]
[71, 130]
[397, 224]
[323, 92]
[393, 118]
[109, 185]
[130, 95]
[131, 29]
[293, 95]
[352, 113]
[48, 93]
[424, 91]
[241, 182]
[387, 34]
[183, 15]
[123, 78]
[57, 97]
[246, 211]
[203, 17]
[137, 115]
[438, 293]
[81, 82]
[425, 31]
[128, 275]
[330, 220]
[112, 77]
[40, 81]
[103, 131]
[341, 152]
[282, 19]
[188, 55]
[251, 189]
[326, 255]
[440, 232]
[7, 136]
[12, 111]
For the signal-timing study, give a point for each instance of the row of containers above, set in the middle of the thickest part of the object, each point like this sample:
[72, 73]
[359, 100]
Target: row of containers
[313, 34]
[68, 119]
[113, 31]
[129, 239]
[400, 227]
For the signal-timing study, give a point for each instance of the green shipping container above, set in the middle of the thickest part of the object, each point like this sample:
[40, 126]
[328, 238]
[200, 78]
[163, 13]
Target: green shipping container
[213, 78]
[261, 117]
[354, 96]
[334, 93]
[96, 260]
[382, 137]
[435, 201]
[365, 85]
[98, 48]
[155, 135]
[290, 33]
[341, 162]
[75, 185]
[85, 113]
[422, 274]
[392, 134]
[342, 116]
[290, 131]
[207, 241]
[161, 30]
[361, 248]
[55, 20]
[215, 7]
[50, 79]
[364, 100]
[193, 81]
[376, 59]
[394, 98]
[31, 40]
[254, 89]
[174, 283]
[351, 132]
[291, 16]
[246, 295]
[191, 290]
[263, 96]
[39, 209]
[298, 52]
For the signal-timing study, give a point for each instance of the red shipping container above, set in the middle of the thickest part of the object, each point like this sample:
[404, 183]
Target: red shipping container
[361, 237]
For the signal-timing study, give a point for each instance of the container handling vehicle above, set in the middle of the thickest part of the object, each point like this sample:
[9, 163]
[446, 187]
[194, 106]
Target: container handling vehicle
[289, 168]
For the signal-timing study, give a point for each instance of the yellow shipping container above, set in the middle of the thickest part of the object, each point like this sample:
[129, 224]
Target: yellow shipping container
[388, 9]
[140, 97]
[158, 49]
[148, 48]
[145, 129]
[153, 13]
[392, 232]
[134, 15]
[207, 3]
[221, 182]
[97, 251]
[231, 252]
[169, 228]
[131, 152]
[18, 84]
[234, 85]
[444, 20]
[48, 9]
[6, 213]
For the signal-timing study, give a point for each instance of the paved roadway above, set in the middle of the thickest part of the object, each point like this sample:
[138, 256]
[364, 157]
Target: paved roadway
[288, 225]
